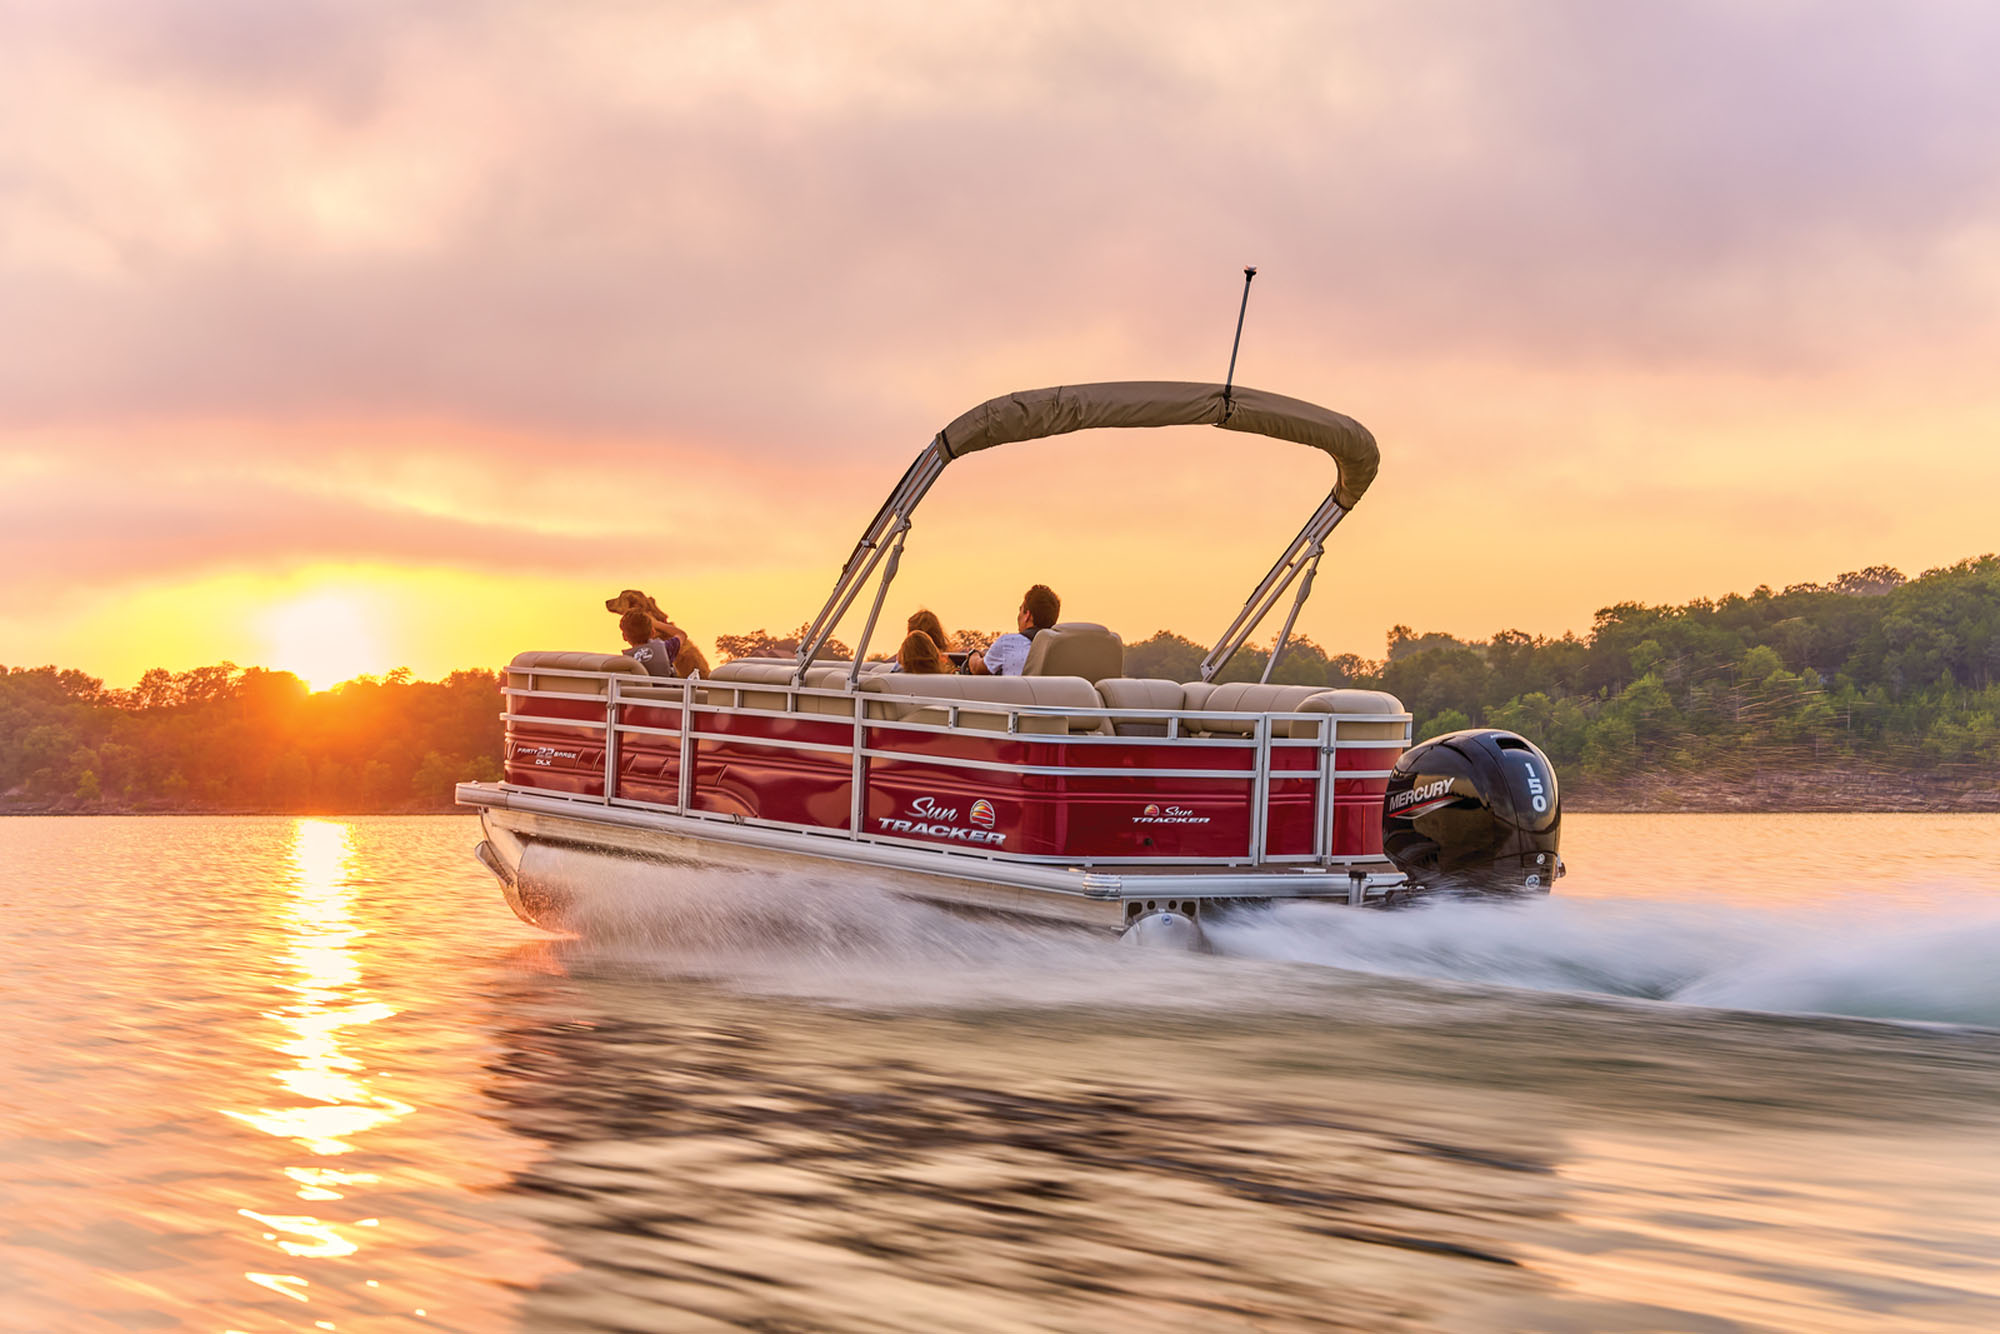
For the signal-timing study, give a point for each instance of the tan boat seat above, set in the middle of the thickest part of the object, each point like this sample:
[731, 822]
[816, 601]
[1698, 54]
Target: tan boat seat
[914, 698]
[1076, 648]
[534, 670]
[1256, 697]
[824, 675]
[1389, 731]
[1129, 692]
[738, 664]
[1194, 694]
[1250, 697]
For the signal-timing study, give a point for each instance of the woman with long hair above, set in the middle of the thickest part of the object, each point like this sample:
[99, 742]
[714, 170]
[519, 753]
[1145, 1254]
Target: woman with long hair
[926, 620]
[919, 655]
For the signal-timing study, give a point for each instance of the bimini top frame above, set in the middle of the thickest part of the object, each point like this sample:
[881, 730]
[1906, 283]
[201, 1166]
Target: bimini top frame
[1037, 413]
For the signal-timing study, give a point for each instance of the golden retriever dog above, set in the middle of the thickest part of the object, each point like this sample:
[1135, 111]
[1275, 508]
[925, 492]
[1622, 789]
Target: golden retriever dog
[691, 659]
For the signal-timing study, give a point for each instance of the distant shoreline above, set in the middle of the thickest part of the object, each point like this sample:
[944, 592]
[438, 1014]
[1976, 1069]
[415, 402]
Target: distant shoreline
[1972, 789]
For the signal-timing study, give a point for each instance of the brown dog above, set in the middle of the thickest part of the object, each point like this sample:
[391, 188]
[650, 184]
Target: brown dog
[690, 660]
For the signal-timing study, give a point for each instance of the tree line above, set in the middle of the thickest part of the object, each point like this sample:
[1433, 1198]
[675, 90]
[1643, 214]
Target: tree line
[1872, 673]
[223, 738]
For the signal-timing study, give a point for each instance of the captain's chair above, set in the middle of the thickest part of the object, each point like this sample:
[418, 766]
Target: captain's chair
[1076, 648]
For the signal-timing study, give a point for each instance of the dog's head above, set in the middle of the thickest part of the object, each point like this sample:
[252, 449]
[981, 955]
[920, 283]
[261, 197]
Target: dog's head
[630, 599]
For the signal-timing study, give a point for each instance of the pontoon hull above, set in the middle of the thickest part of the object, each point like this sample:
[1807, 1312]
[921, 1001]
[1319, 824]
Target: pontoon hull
[523, 829]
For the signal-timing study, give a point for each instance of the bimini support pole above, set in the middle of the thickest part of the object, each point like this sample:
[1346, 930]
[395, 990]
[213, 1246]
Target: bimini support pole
[1305, 591]
[1300, 558]
[881, 593]
[884, 531]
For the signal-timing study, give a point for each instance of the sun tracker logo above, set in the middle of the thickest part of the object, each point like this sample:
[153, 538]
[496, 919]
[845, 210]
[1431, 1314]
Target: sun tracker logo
[1169, 815]
[982, 813]
[933, 820]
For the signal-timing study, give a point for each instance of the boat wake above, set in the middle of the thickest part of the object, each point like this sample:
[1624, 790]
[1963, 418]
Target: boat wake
[841, 939]
[850, 941]
[1931, 964]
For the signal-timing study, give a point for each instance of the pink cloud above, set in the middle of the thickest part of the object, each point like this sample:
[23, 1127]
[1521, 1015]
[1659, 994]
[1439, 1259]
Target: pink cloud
[588, 252]
[771, 248]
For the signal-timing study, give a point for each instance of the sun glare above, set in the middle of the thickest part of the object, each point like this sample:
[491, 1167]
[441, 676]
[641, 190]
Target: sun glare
[323, 639]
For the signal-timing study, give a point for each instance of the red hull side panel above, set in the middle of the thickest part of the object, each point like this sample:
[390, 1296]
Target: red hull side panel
[915, 792]
[560, 759]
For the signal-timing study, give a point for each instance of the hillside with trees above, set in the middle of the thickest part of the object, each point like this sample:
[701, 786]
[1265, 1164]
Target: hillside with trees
[223, 739]
[1869, 692]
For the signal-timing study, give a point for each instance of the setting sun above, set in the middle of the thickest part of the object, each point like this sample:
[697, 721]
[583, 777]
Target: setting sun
[323, 639]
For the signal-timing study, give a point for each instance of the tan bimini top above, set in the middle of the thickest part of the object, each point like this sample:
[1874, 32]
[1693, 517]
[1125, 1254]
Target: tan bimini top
[1033, 413]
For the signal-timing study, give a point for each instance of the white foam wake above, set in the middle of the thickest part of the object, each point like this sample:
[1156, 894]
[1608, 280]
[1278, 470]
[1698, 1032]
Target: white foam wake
[847, 939]
[1935, 963]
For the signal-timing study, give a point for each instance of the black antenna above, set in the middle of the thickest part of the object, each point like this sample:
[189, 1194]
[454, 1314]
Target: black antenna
[1248, 274]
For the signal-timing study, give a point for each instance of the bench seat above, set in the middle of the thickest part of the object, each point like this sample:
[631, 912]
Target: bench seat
[928, 698]
[913, 698]
[1197, 701]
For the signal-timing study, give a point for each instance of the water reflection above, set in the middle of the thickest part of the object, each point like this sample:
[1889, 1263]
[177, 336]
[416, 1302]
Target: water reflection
[914, 1123]
[336, 1103]
[771, 1166]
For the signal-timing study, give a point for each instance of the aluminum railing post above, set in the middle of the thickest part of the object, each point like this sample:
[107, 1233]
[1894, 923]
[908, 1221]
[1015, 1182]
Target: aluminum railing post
[611, 715]
[1324, 804]
[857, 806]
[1260, 791]
[687, 742]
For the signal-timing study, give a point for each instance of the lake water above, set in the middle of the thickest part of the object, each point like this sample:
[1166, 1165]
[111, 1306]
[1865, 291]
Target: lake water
[1739, 1073]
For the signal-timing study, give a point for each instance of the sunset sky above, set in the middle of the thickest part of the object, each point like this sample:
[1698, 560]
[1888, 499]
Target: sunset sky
[337, 336]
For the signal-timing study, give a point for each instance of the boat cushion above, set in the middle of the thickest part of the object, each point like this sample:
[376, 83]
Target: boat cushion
[764, 671]
[1251, 697]
[1127, 692]
[1352, 701]
[525, 672]
[1257, 697]
[741, 664]
[1348, 702]
[824, 675]
[1194, 694]
[573, 661]
[915, 695]
[1076, 648]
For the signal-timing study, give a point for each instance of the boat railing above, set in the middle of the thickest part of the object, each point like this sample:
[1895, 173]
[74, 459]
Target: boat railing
[598, 708]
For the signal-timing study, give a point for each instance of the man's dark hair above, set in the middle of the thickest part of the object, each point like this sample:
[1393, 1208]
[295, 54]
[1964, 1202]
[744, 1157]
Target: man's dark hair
[636, 626]
[1044, 608]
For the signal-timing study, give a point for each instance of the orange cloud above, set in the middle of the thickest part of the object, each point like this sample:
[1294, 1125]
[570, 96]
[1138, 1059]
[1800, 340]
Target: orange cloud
[441, 304]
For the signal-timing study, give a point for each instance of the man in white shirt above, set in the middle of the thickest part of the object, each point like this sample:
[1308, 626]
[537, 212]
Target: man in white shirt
[1008, 656]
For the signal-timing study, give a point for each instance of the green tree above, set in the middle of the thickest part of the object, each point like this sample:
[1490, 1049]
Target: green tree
[436, 778]
[1165, 657]
[1451, 720]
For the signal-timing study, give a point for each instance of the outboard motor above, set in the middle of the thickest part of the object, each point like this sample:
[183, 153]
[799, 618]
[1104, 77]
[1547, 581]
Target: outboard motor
[1474, 811]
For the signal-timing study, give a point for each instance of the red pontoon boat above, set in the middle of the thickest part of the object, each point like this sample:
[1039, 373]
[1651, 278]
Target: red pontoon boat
[1070, 792]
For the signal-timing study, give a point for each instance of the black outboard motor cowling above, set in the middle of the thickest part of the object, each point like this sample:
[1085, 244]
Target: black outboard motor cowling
[1474, 811]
